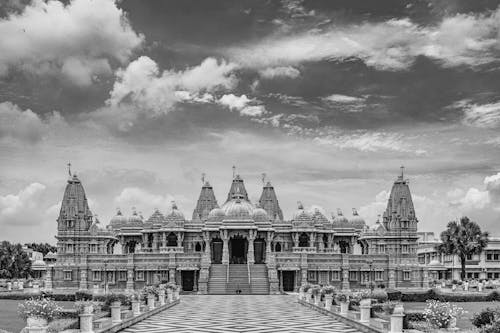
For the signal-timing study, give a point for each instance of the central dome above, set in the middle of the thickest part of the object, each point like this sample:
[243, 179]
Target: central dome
[238, 208]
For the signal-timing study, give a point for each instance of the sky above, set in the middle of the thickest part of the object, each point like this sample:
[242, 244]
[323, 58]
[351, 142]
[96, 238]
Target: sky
[327, 98]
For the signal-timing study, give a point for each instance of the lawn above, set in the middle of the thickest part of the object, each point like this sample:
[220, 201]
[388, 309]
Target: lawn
[10, 320]
[470, 307]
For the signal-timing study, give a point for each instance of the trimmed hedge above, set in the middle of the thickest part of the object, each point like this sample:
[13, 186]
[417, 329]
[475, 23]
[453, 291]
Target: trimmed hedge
[432, 295]
[412, 316]
[23, 296]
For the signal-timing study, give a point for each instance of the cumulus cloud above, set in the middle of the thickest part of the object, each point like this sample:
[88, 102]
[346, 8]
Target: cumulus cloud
[23, 207]
[338, 98]
[371, 211]
[26, 126]
[242, 104]
[480, 115]
[143, 201]
[279, 72]
[76, 40]
[143, 85]
[463, 39]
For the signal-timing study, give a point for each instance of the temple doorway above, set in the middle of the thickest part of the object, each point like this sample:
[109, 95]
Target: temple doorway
[187, 280]
[238, 250]
[217, 251]
[259, 249]
[288, 280]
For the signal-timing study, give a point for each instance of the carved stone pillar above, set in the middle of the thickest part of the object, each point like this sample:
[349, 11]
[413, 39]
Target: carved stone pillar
[425, 278]
[330, 241]
[145, 241]
[295, 239]
[312, 239]
[180, 239]
[83, 278]
[155, 241]
[345, 278]
[130, 279]
[225, 246]
[251, 252]
[163, 239]
[48, 278]
[392, 278]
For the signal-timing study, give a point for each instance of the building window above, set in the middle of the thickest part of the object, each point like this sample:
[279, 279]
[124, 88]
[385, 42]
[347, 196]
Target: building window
[277, 248]
[68, 276]
[70, 224]
[404, 248]
[492, 255]
[379, 275]
[110, 277]
[96, 276]
[311, 276]
[335, 275]
[406, 275]
[70, 248]
[197, 247]
[122, 276]
[93, 248]
[469, 257]
[353, 276]
[381, 248]
[139, 276]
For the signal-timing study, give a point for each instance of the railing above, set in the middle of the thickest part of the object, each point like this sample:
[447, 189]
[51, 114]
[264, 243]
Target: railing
[249, 274]
[227, 275]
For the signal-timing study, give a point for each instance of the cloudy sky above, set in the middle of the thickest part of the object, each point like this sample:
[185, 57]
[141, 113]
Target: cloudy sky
[328, 98]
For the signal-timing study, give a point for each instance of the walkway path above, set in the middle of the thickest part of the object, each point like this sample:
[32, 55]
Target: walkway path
[239, 313]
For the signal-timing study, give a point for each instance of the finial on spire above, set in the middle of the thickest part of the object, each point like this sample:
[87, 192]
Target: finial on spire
[203, 178]
[402, 171]
[263, 178]
[174, 205]
[378, 218]
[234, 171]
[300, 205]
[354, 211]
[69, 168]
[339, 212]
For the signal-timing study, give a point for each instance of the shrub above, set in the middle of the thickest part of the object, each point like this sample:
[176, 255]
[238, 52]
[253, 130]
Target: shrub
[440, 314]
[306, 287]
[315, 289]
[389, 306]
[41, 307]
[110, 298]
[394, 295]
[328, 290]
[493, 296]
[379, 295]
[411, 318]
[381, 286]
[342, 297]
[491, 328]
[486, 317]
[83, 296]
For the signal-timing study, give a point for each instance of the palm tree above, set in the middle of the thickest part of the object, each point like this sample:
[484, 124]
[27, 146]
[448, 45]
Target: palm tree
[463, 239]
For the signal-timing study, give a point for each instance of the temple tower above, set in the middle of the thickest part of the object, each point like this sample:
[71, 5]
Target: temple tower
[206, 202]
[269, 202]
[237, 189]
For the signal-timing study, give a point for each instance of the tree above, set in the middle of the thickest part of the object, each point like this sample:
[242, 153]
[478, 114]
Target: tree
[463, 239]
[14, 262]
[44, 248]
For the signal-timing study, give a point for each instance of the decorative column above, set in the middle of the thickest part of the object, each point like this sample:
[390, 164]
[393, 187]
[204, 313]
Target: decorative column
[425, 278]
[163, 239]
[321, 243]
[312, 239]
[295, 239]
[330, 241]
[225, 246]
[155, 241]
[116, 312]
[345, 278]
[130, 279]
[83, 279]
[47, 280]
[392, 279]
[180, 240]
[251, 252]
[397, 319]
[144, 241]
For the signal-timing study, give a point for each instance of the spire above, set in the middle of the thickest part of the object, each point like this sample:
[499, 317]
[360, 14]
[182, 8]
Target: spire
[237, 189]
[74, 205]
[400, 204]
[206, 202]
[269, 201]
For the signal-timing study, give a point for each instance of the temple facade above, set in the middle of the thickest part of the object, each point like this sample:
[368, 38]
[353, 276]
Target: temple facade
[236, 246]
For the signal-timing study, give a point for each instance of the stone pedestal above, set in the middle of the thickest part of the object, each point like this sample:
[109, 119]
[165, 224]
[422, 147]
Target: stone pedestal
[9, 286]
[136, 307]
[151, 301]
[170, 296]
[480, 287]
[328, 302]
[130, 279]
[364, 309]
[86, 323]
[344, 308]
[309, 296]
[48, 279]
[316, 299]
[176, 294]
[37, 325]
[161, 297]
[345, 279]
[116, 313]
[397, 319]
[21, 285]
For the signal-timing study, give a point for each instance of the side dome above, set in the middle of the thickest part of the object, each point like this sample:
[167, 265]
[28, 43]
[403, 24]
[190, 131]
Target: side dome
[357, 221]
[260, 215]
[135, 220]
[320, 219]
[175, 218]
[238, 209]
[216, 214]
[118, 220]
[302, 218]
[340, 221]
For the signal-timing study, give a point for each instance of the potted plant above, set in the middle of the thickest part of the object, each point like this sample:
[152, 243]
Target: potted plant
[328, 292]
[302, 294]
[86, 307]
[308, 292]
[170, 291]
[38, 312]
[150, 292]
[343, 299]
[389, 307]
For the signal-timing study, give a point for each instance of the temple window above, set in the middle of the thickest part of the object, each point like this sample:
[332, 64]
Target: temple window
[96, 276]
[303, 240]
[110, 277]
[404, 248]
[344, 247]
[171, 239]
[406, 275]
[68, 275]
[353, 276]
[325, 241]
[139, 276]
[336, 275]
[197, 247]
[122, 276]
[379, 275]
[277, 248]
[93, 248]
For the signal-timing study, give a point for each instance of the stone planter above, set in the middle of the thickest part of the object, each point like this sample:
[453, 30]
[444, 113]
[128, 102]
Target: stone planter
[344, 308]
[317, 297]
[136, 307]
[116, 313]
[161, 297]
[170, 295]
[88, 309]
[176, 294]
[309, 296]
[328, 302]
[480, 287]
[9, 286]
[34, 322]
[301, 295]
[86, 323]
[151, 301]
[364, 310]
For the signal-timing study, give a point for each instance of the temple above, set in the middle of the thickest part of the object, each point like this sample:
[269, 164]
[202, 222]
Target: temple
[236, 246]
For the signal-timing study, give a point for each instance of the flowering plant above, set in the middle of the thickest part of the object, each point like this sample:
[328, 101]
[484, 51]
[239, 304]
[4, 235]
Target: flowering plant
[305, 287]
[315, 289]
[389, 307]
[342, 297]
[42, 308]
[441, 314]
[359, 295]
[147, 290]
[80, 305]
[328, 290]
[172, 286]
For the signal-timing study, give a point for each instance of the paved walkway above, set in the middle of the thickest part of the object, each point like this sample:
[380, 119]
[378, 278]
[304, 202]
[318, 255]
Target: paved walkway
[239, 313]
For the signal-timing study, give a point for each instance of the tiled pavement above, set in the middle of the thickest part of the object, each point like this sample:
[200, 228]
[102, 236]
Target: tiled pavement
[239, 313]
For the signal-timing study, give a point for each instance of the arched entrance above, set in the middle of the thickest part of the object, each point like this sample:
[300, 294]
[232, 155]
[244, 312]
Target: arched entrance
[259, 246]
[238, 246]
[216, 245]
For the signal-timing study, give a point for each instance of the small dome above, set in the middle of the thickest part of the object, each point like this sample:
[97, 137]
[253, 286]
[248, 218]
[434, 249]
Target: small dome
[156, 217]
[216, 214]
[175, 211]
[434, 262]
[378, 227]
[174, 218]
[319, 218]
[357, 221]
[260, 215]
[134, 220]
[301, 213]
[340, 221]
[238, 209]
[118, 220]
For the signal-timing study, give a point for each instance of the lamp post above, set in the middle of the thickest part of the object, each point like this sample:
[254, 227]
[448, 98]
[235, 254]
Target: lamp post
[369, 261]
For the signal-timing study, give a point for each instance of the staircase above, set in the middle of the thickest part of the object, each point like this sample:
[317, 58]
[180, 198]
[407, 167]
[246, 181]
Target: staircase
[217, 279]
[259, 282]
[238, 279]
